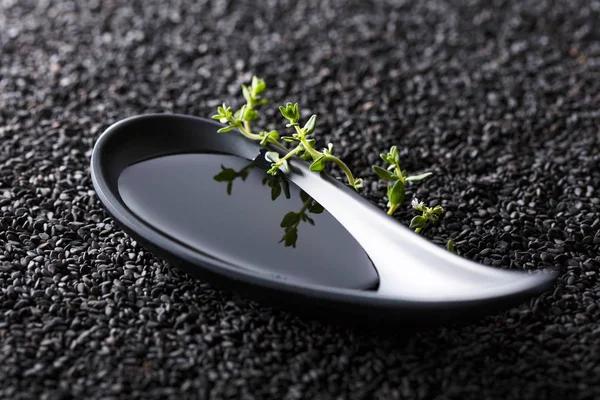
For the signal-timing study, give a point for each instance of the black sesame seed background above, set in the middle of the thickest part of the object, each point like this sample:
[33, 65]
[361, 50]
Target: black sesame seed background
[500, 99]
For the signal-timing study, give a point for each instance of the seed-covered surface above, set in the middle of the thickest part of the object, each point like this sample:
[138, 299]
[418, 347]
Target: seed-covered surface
[500, 99]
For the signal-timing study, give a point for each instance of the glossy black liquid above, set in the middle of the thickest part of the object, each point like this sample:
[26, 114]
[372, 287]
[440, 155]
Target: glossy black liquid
[179, 196]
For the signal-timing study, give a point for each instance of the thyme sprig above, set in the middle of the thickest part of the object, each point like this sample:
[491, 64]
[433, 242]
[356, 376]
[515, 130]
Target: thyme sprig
[304, 143]
[301, 143]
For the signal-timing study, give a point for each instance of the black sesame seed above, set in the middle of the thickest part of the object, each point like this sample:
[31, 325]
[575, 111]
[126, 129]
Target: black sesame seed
[498, 99]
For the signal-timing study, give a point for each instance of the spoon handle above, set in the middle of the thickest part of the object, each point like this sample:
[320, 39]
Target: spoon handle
[410, 266]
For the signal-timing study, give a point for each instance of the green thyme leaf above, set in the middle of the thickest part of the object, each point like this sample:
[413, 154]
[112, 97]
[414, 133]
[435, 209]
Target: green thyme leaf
[358, 183]
[306, 156]
[258, 85]
[283, 111]
[420, 177]
[318, 164]
[397, 193]
[274, 135]
[249, 115]
[247, 94]
[310, 125]
[384, 174]
[450, 246]
[418, 221]
[394, 154]
[225, 129]
[274, 170]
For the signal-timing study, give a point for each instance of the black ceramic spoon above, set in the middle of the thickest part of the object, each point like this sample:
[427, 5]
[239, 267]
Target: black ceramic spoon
[155, 175]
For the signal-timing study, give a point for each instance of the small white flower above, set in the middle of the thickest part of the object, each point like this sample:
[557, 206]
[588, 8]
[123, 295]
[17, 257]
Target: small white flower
[414, 202]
